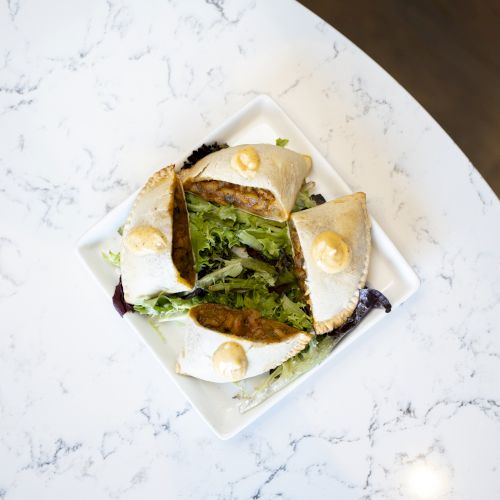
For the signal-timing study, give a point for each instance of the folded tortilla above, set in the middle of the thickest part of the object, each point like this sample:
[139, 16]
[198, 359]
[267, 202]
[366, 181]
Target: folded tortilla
[332, 293]
[258, 178]
[222, 344]
[156, 254]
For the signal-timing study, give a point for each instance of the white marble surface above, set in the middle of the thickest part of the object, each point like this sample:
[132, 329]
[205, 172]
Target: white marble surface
[94, 96]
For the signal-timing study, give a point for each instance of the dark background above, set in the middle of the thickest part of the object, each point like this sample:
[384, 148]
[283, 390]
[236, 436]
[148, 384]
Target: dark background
[446, 53]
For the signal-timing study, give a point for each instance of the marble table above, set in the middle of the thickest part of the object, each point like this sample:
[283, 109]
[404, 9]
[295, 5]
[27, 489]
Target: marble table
[96, 95]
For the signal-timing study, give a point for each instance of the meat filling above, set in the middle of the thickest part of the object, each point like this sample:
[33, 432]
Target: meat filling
[255, 200]
[246, 323]
[182, 253]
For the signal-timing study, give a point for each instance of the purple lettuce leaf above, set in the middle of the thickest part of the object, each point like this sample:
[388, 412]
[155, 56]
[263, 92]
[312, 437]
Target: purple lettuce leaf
[119, 300]
[201, 152]
[319, 199]
[369, 299]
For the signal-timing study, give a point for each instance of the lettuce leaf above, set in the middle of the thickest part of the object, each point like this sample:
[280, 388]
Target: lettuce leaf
[294, 313]
[238, 293]
[305, 199]
[215, 230]
[166, 307]
[318, 350]
[369, 299]
[119, 302]
[112, 257]
[255, 275]
[264, 281]
[232, 268]
[281, 142]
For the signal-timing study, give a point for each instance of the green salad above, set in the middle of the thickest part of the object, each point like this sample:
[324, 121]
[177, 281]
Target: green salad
[242, 261]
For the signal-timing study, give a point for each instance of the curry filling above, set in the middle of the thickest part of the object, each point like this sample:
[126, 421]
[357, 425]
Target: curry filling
[245, 323]
[299, 263]
[182, 253]
[251, 199]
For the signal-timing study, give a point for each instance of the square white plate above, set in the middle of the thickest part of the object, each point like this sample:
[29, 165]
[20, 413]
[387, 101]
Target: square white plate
[261, 120]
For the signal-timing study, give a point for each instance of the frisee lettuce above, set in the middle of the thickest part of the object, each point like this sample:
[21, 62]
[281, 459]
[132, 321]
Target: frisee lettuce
[215, 230]
[270, 304]
[235, 267]
[166, 307]
[112, 257]
[317, 350]
[266, 283]
[304, 198]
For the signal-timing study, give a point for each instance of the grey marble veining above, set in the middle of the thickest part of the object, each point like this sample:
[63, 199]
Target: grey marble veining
[94, 96]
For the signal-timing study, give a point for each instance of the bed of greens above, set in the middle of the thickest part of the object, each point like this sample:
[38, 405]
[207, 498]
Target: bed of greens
[242, 261]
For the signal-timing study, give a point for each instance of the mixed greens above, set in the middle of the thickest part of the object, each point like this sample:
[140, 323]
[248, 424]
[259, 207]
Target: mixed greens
[318, 350]
[216, 230]
[242, 261]
[305, 199]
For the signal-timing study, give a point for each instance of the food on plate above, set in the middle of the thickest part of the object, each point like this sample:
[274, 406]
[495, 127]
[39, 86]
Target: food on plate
[331, 245]
[156, 254]
[255, 263]
[258, 178]
[223, 344]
